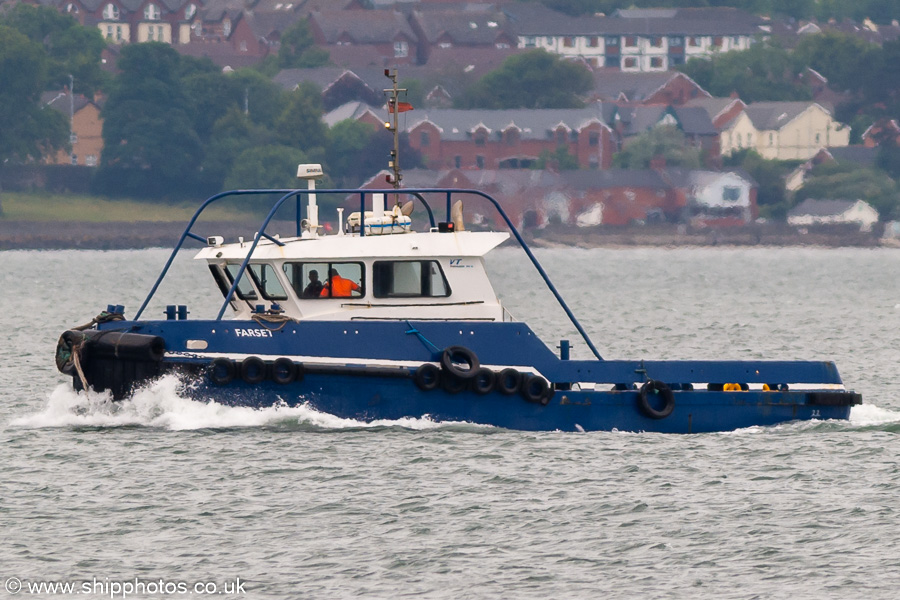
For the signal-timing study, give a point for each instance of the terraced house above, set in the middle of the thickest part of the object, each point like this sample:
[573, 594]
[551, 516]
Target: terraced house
[509, 139]
[636, 39]
[783, 130]
[132, 21]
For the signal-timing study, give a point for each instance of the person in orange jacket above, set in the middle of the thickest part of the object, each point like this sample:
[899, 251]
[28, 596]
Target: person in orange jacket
[338, 287]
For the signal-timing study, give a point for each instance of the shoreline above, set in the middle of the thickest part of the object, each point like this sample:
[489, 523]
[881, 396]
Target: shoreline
[55, 235]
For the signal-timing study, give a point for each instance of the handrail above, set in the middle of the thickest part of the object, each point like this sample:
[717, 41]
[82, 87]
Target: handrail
[415, 192]
[187, 233]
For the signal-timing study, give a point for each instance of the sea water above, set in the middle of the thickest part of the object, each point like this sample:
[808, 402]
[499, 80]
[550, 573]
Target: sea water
[157, 495]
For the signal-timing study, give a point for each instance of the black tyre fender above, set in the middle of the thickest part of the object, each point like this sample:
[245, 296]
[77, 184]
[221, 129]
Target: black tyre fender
[427, 377]
[253, 370]
[221, 371]
[483, 382]
[654, 389]
[536, 389]
[284, 371]
[453, 356]
[508, 382]
[453, 384]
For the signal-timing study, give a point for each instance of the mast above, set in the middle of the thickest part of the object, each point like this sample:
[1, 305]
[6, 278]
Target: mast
[395, 107]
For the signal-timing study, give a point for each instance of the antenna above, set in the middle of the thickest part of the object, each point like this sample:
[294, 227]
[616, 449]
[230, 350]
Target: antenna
[395, 107]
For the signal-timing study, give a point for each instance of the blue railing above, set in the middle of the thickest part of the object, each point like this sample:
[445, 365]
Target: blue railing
[415, 193]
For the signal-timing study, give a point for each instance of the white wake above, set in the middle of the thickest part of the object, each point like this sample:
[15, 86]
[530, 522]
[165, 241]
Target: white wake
[161, 405]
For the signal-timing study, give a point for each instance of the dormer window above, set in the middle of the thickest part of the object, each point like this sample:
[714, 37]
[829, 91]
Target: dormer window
[190, 11]
[401, 49]
[151, 12]
[226, 27]
[110, 12]
[71, 8]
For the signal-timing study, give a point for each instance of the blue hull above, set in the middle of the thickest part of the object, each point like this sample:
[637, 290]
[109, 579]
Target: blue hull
[372, 399]
[365, 370]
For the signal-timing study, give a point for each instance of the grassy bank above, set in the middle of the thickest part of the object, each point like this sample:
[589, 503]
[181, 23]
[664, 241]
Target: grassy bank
[94, 209]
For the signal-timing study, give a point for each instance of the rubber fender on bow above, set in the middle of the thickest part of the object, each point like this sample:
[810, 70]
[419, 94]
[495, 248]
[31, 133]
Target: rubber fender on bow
[253, 370]
[508, 381]
[221, 371]
[834, 398]
[651, 392]
[427, 377]
[460, 361]
[484, 381]
[284, 371]
[536, 389]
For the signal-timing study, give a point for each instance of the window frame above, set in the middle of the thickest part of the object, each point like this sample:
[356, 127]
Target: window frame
[423, 276]
[229, 276]
[329, 265]
[264, 292]
[152, 12]
[111, 12]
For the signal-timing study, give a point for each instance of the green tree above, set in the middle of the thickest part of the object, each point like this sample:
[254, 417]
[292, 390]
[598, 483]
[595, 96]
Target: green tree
[298, 50]
[210, 95]
[347, 143]
[764, 72]
[72, 49]
[27, 130]
[559, 160]
[233, 134]
[356, 151]
[535, 79]
[845, 60]
[265, 101]
[663, 141]
[850, 182]
[266, 167]
[300, 124]
[150, 147]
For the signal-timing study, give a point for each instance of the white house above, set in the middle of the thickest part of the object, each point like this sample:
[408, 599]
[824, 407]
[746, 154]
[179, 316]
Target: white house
[783, 130]
[635, 40]
[833, 212]
[718, 197]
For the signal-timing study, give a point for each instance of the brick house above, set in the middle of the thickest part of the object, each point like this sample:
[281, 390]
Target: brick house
[441, 30]
[616, 197]
[721, 111]
[338, 85]
[694, 122]
[882, 130]
[86, 133]
[508, 139]
[385, 36]
[665, 87]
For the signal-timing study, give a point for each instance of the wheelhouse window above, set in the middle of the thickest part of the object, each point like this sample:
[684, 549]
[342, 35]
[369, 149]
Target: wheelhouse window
[244, 288]
[267, 282]
[409, 279]
[313, 280]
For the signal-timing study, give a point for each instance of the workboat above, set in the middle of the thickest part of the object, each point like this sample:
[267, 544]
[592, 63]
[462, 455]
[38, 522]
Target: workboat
[384, 320]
